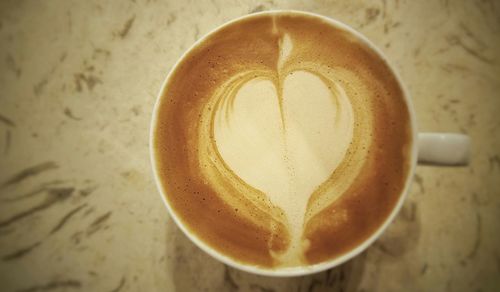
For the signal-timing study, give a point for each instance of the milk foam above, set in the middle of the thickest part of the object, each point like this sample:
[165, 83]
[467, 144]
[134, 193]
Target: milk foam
[285, 142]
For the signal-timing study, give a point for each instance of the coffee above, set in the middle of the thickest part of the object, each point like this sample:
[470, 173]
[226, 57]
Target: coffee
[282, 140]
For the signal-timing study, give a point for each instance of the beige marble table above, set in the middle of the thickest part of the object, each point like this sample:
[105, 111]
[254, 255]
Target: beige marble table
[78, 207]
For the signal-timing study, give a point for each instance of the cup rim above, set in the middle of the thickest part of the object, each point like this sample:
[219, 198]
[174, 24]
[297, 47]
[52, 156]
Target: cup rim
[302, 270]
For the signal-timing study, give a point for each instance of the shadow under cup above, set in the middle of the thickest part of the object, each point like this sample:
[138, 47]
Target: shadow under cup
[283, 143]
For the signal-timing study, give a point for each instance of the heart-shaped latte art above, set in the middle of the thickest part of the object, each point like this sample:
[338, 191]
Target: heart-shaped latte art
[285, 142]
[274, 139]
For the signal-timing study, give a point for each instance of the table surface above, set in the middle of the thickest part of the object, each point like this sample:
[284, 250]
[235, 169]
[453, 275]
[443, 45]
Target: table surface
[78, 207]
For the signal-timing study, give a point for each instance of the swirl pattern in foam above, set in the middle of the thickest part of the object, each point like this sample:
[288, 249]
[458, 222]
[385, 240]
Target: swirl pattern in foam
[282, 140]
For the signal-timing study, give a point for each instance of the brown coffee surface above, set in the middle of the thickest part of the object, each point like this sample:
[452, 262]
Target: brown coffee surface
[235, 206]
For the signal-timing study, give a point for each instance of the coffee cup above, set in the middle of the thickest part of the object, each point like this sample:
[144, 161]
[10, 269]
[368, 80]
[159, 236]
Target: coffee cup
[283, 143]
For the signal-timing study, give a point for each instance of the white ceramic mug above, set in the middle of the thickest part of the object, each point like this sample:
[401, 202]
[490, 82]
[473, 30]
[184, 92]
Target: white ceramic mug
[433, 148]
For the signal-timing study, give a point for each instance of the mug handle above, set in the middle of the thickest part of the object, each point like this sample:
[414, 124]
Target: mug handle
[443, 148]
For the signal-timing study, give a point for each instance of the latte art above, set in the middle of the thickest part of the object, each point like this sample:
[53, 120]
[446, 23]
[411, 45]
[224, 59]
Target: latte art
[282, 141]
